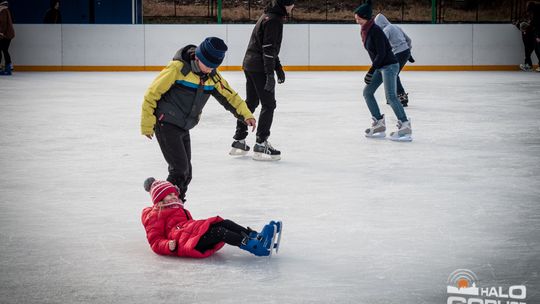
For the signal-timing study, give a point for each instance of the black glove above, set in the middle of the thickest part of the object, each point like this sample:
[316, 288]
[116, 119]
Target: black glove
[280, 74]
[368, 77]
[411, 59]
[270, 83]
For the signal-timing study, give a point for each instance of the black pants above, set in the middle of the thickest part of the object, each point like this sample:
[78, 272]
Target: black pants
[255, 93]
[530, 44]
[225, 231]
[4, 49]
[402, 58]
[175, 145]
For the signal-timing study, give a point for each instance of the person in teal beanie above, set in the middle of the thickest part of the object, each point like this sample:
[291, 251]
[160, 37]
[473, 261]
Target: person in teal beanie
[384, 70]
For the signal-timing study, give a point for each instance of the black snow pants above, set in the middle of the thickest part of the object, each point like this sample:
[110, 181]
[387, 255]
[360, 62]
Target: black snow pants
[255, 94]
[4, 49]
[175, 145]
[225, 231]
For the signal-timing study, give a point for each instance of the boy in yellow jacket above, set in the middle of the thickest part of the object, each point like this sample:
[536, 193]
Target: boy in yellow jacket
[174, 101]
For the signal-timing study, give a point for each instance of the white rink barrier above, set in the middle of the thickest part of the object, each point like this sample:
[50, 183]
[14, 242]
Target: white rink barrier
[305, 46]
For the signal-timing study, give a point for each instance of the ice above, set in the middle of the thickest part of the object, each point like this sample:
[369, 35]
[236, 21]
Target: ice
[368, 221]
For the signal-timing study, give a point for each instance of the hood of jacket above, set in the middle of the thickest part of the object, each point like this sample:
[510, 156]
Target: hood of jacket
[381, 21]
[186, 53]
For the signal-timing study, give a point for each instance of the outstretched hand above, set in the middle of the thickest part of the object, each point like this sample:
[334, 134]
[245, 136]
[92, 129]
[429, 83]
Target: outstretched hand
[251, 122]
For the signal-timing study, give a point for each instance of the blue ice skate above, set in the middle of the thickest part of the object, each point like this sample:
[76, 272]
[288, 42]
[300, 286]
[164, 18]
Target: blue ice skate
[255, 246]
[252, 234]
[260, 244]
[276, 240]
[268, 234]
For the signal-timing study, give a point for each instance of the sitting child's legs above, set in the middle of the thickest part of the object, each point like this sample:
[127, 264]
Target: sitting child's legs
[225, 231]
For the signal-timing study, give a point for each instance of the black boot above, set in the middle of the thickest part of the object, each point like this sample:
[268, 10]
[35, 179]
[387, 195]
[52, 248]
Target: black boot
[404, 99]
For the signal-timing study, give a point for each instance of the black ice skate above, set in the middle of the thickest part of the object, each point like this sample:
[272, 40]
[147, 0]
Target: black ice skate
[404, 99]
[265, 151]
[239, 147]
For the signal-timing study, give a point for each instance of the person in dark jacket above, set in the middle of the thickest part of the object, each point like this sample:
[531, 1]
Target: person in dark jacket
[533, 10]
[384, 69]
[260, 62]
[7, 33]
[529, 44]
[52, 15]
[174, 102]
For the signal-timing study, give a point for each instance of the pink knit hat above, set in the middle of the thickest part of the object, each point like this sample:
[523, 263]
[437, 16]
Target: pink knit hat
[159, 189]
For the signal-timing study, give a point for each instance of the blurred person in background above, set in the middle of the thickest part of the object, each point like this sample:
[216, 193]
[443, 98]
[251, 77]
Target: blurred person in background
[7, 33]
[53, 16]
[529, 44]
[533, 10]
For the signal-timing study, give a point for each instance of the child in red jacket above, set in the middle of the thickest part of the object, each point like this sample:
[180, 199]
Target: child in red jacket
[171, 230]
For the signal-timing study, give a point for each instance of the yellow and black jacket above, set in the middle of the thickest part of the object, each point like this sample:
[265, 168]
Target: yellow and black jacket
[179, 93]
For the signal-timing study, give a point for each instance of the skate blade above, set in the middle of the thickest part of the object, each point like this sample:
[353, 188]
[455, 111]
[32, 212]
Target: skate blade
[273, 241]
[276, 244]
[376, 135]
[405, 138]
[238, 152]
[277, 224]
[265, 157]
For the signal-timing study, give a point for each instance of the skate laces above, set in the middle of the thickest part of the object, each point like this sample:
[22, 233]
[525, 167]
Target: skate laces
[376, 122]
[267, 146]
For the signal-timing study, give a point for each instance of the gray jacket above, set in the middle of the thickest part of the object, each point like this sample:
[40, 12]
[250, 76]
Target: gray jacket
[398, 39]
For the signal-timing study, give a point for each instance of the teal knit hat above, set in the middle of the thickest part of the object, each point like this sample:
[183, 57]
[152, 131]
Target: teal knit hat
[364, 10]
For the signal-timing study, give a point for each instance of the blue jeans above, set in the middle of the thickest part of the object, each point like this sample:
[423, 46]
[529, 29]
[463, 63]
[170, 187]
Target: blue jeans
[387, 75]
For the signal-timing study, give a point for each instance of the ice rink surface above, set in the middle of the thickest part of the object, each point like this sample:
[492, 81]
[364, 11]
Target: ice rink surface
[365, 221]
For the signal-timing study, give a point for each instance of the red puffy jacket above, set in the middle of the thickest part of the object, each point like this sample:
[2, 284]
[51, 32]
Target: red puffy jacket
[176, 223]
